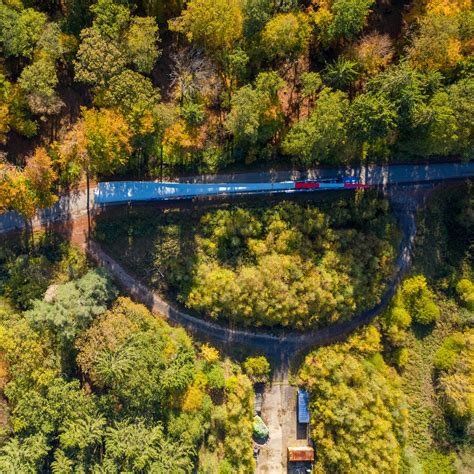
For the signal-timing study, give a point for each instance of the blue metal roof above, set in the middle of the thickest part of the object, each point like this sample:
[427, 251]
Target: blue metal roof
[303, 409]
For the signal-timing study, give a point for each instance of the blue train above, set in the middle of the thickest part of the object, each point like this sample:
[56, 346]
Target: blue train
[129, 191]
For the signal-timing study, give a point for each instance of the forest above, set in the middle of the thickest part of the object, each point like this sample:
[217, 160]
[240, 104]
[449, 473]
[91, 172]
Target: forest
[92, 382]
[396, 397]
[291, 264]
[152, 88]
[90, 90]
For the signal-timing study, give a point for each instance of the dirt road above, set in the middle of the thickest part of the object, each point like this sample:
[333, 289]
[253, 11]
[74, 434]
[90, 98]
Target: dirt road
[279, 414]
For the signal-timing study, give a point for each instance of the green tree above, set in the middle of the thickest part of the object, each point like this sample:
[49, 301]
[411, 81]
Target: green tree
[98, 60]
[465, 291]
[20, 30]
[311, 84]
[137, 448]
[342, 74]
[132, 94]
[124, 351]
[142, 40]
[321, 137]
[257, 368]
[286, 35]
[448, 123]
[418, 300]
[454, 360]
[357, 409]
[38, 82]
[23, 455]
[74, 306]
[372, 121]
[341, 19]
[255, 114]
[110, 18]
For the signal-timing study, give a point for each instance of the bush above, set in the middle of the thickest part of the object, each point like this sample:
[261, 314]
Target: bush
[465, 291]
[257, 368]
[418, 300]
[439, 463]
[260, 429]
[455, 360]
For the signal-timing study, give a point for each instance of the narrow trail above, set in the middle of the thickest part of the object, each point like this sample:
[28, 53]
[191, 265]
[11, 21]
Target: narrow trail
[281, 344]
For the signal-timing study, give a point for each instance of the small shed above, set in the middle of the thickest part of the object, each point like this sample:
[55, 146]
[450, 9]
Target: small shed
[301, 453]
[303, 406]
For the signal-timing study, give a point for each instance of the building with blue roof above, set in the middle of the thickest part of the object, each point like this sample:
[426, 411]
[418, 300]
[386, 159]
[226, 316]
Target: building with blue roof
[303, 406]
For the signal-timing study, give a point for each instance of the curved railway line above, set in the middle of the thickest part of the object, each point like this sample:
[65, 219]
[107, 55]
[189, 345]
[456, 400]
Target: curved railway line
[416, 180]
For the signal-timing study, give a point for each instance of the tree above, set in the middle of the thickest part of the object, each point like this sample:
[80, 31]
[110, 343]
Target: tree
[23, 456]
[311, 84]
[454, 360]
[15, 194]
[342, 74]
[286, 35]
[98, 60]
[257, 368]
[74, 306]
[20, 29]
[358, 412]
[418, 300]
[437, 45]
[29, 190]
[255, 114]
[134, 96]
[142, 39]
[110, 19]
[465, 291]
[38, 82]
[41, 178]
[13, 111]
[124, 352]
[373, 52]
[135, 447]
[340, 19]
[215, 25]
[321, 137]
[256, 14]
[99, 143]
[447, 120]
[371, 122]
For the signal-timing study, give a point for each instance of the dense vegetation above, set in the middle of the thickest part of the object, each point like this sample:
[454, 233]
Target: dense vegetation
[95, 383]
[397, 396]
[124, 86]
[290, 264]
[357, 406]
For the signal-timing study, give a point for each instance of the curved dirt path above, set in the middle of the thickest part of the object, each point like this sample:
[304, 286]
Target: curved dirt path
[283, 343]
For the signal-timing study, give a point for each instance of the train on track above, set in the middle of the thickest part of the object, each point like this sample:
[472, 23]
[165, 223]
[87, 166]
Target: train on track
[116, 192]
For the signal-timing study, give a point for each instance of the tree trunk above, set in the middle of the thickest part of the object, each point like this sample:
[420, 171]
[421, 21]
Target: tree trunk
[161, 163]
[88, 205]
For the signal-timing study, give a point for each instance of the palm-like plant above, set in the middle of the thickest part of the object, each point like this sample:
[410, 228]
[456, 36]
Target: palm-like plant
[342, 74]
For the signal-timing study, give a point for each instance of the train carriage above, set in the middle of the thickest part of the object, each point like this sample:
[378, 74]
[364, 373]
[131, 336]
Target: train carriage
[133, 191]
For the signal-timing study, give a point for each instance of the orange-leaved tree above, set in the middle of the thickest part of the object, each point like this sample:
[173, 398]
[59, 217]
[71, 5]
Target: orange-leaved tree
[99, 143]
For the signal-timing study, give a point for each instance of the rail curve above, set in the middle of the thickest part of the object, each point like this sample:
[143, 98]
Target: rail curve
[285, 342]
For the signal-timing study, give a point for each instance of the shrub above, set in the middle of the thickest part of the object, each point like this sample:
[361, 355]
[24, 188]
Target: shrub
[465, 291]
[257, 368]
[418, 299]
[260, 429]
